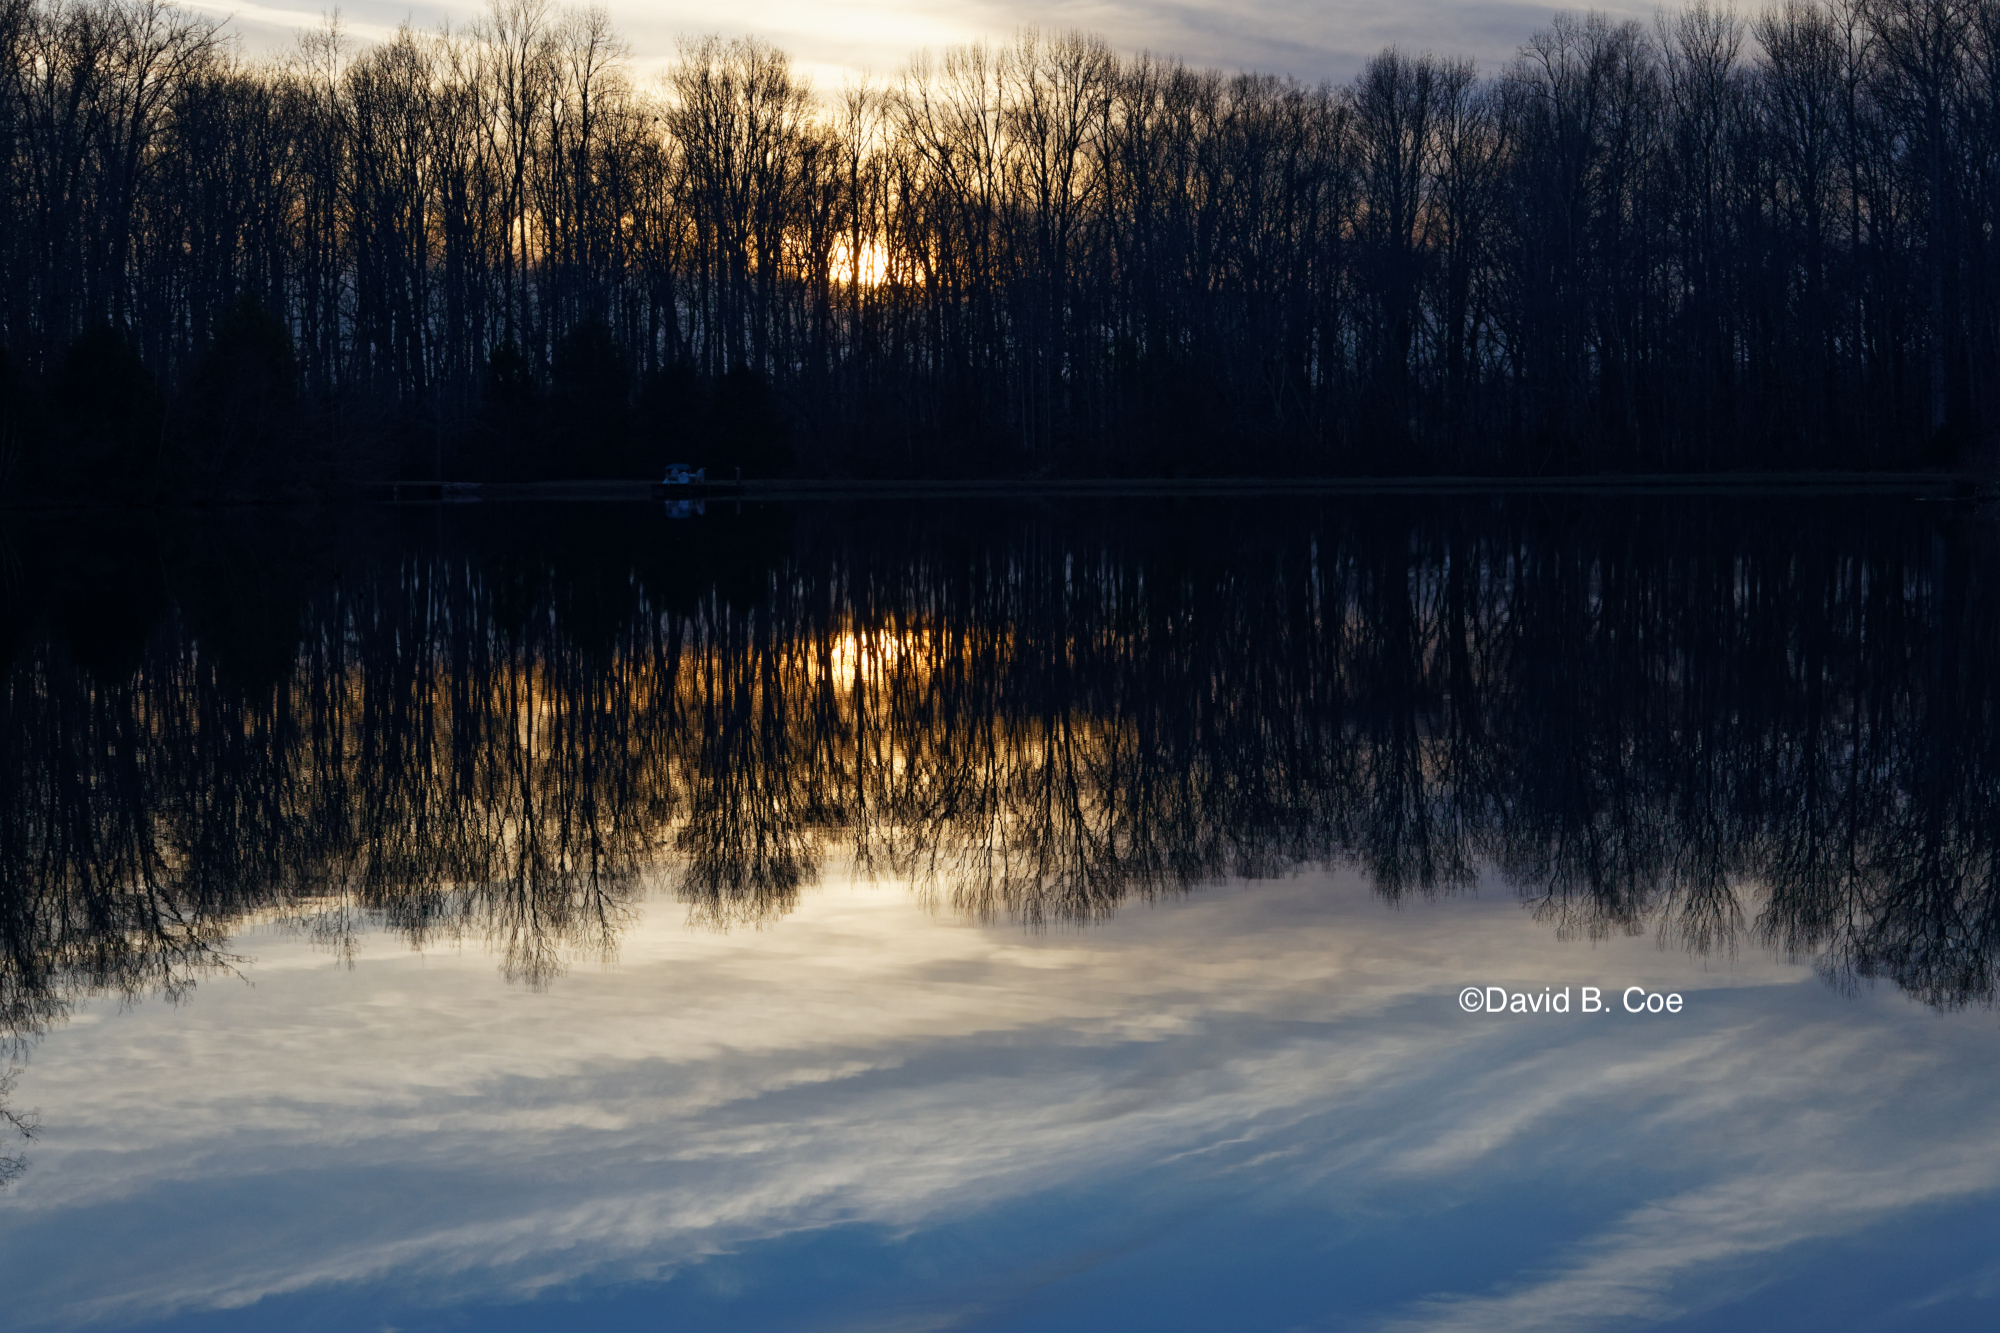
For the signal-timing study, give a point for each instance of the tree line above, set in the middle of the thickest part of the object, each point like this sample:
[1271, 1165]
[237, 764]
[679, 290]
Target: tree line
[1717, 241]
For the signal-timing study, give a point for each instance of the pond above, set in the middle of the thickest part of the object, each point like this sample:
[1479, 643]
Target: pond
[1387, 913]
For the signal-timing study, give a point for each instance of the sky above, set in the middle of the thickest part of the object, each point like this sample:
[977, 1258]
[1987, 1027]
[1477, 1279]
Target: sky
[837, 40]
[1257, 1107]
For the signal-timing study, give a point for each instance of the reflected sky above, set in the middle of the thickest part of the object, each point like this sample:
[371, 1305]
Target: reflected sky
[498, 865]
[835, 40]
[1255, 1107]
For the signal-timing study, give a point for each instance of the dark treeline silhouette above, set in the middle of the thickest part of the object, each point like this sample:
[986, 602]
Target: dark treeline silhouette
[1732, 724]
[493, 253]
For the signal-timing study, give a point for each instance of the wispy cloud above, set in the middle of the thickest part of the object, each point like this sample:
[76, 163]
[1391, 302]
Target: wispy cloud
[842, 39]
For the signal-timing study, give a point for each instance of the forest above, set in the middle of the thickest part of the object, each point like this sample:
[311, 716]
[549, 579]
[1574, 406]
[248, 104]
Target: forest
[1719, 241]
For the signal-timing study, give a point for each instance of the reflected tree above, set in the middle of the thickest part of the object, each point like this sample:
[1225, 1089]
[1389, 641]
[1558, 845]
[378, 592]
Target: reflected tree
[1730, 725]
[13, 1124]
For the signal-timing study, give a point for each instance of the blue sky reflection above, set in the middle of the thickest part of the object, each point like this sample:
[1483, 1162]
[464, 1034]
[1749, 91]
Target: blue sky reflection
[1259, 1106]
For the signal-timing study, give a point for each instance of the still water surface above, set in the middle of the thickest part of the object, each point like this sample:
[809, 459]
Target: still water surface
[1002, 917]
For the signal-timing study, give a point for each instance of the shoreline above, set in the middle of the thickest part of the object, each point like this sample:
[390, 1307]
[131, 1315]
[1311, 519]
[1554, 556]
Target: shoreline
[1964, 486]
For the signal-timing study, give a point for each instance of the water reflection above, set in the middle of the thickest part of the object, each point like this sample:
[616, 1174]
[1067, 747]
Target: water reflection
[1254, 1109]
[491, 724]
[13, 1125]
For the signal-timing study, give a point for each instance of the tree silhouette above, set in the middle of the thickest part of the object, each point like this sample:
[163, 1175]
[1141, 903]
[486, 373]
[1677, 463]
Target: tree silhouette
[1705, 244]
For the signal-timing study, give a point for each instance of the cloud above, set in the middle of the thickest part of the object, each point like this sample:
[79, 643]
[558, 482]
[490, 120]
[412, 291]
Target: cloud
[834, 40]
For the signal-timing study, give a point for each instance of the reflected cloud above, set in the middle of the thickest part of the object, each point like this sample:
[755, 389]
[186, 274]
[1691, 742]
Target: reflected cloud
[873, 1066]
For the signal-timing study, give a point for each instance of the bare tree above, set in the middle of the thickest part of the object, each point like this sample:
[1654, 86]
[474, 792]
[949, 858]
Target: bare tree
[1632, 248]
